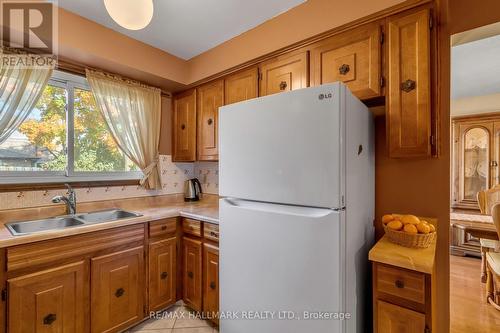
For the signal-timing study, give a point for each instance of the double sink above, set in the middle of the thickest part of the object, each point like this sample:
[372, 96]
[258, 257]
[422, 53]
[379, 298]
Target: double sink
[68, 221]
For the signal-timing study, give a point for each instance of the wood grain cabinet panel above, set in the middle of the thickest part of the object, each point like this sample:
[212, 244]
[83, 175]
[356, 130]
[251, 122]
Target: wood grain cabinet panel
[117, 284]
[408, 113]
[395, 319]
[184, 124]
[53, 300]
[241, 86]
[162, 272]
[192, 266]
[285, 73]
[211, 280]
[352, 57]
[209, 98]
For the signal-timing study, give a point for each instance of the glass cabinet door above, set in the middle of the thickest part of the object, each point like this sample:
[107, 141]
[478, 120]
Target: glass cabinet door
[476, 160]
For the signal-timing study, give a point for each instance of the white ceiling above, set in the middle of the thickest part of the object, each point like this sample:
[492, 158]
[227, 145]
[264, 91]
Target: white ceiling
[186, 28]
[475, 68]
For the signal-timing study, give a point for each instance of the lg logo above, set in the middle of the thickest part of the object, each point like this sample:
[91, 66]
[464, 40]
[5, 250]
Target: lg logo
[325, 96]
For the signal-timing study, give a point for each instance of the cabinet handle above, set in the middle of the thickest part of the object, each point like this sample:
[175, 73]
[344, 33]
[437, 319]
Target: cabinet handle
[163, 275]
[214, 234]
[119, 292]
[210, 121]
[408, 85]
[183, 126]
[163, 227]
[283, 85]
[344, 69]
[212, 285]
[494, 163]
[190, 275]
[49, 319]
[399, 284]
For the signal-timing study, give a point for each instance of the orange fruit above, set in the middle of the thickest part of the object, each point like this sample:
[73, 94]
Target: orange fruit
[410, 229]
[423, 228]
[387, 218]
[410, 219]
[432, 228]
[395, 225]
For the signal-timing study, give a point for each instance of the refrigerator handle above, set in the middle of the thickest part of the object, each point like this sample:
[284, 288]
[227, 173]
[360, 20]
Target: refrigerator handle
[312, 212]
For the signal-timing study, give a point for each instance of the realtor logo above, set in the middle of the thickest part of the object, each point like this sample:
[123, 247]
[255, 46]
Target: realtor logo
[29, 25]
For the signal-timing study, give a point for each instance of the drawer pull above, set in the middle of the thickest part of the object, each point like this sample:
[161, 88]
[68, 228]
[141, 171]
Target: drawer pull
[119, 292]
[163, 227]
[190, 275]
[210, 121]
[214, 234]
[283, 85]
[212, 285]
[408, 85]
[163, 275]
[49, 319]
[399, 284]
[344, 69]
[183, 127]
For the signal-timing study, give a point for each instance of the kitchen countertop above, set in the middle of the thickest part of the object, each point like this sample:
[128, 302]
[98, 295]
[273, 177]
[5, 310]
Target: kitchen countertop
[420, 260]
[206, 210]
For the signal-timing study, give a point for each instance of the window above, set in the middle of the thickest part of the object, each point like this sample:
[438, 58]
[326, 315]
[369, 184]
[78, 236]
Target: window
[64, 138]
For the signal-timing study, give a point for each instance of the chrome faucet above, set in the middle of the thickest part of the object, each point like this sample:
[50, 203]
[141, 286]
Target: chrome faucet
[70, 200]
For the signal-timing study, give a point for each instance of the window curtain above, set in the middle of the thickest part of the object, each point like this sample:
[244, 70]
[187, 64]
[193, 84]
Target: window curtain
[132, 112]
[20, 89]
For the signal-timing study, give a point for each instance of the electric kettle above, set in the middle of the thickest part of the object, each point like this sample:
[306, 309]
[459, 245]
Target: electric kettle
[192, 189]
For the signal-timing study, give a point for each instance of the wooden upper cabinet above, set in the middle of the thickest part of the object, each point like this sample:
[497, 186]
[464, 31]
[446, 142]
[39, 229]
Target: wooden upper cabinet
[192, 273]
[395, 319]
[241, 86]
[54, 300]
[352, 57]
[117, 284]
[162, 272]
[284, 73]
[209, 98]
[408, 113]
[211, 279]
[184, 123]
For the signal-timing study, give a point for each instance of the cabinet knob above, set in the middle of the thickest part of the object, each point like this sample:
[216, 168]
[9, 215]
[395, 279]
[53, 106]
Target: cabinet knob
[210, 121]
[163, 227]
[183, 126]
[212, 285]
[344, 69]
[190, 275]
[119, 292]
[399, 284]
[163, 275]
[213, 234]
[49, 319]
[494, 163]
[283, 85]
[408, 85]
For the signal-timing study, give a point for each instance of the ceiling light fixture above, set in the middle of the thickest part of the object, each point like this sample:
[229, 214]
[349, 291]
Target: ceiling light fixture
[130, 14]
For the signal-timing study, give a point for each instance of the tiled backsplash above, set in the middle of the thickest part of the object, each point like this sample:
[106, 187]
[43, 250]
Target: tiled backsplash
[173, 176]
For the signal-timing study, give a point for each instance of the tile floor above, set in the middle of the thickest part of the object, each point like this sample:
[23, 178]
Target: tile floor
[177, 319]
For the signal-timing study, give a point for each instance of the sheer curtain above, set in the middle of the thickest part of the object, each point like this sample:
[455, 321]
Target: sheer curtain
[20, 89]
[132, 112]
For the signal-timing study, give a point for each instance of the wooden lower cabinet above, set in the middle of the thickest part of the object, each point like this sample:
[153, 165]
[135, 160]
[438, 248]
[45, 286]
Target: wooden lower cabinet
[53, 300]
[192, 265]
[211, 280]
[162, 273]
[117, 284]
[395, 319]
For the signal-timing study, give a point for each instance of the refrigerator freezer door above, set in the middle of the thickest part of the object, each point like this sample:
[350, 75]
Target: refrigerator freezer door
[278, 260]
[285, 148]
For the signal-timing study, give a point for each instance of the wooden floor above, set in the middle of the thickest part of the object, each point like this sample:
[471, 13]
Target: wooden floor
[469, 311]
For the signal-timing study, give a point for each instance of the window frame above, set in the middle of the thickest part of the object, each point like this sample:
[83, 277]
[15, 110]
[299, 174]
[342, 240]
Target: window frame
[69, 82]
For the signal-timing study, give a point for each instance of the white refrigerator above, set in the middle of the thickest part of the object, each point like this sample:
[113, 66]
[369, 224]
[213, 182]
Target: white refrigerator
[296, 213]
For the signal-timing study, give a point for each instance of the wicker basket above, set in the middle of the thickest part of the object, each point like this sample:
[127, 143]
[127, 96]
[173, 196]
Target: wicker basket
[404, 239]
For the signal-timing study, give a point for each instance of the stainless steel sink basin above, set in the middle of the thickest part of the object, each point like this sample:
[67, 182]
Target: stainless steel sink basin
[63, 222]
[106, 216]
[29, 227]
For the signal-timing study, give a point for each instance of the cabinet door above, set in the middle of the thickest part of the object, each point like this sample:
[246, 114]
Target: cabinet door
[352, 57]
[408, 113]
[192, 273]
[395, 319]
[284, 74]
[209, 98]
[495, 157]
[117, 285]
[54, 300]
[184, 123]
[241, 86]
[211, 280]
[162, 272]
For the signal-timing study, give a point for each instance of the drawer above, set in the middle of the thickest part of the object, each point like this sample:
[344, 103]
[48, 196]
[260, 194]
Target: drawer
[401, 283]
[211, 231]
[192, 227]
[162, 227]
